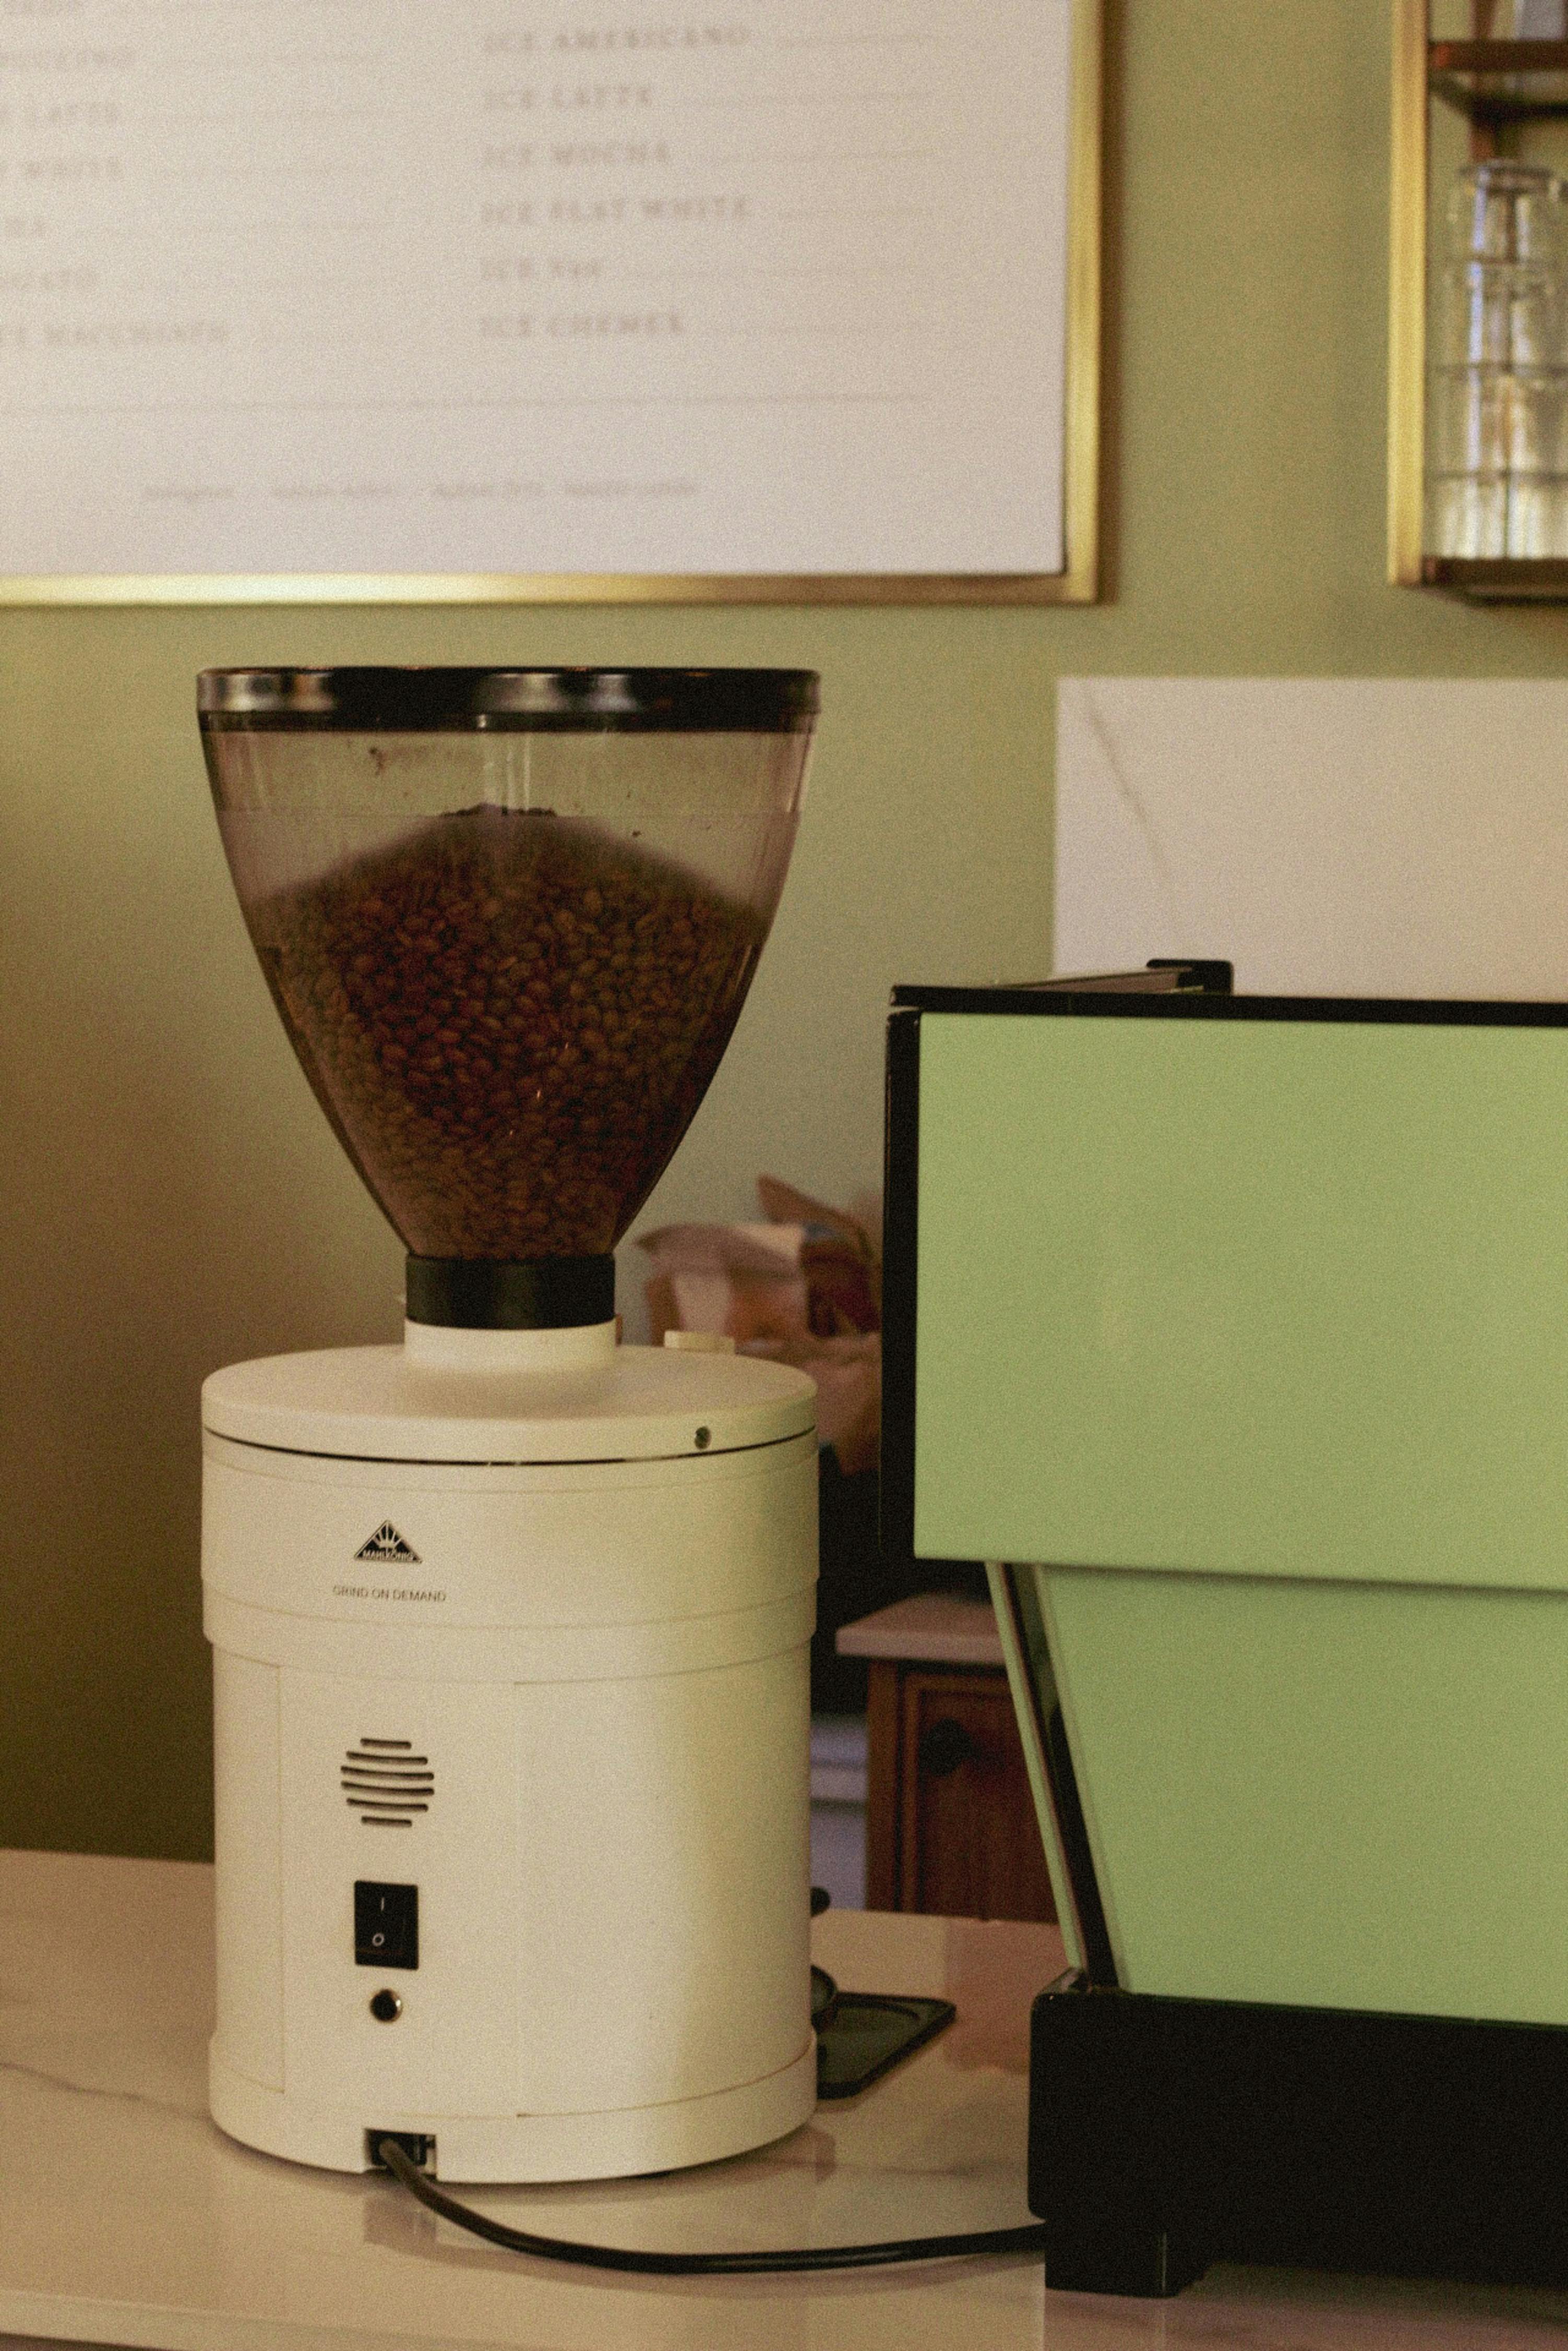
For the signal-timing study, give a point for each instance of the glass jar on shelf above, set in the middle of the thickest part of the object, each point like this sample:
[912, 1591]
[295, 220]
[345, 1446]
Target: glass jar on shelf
[1498, 449]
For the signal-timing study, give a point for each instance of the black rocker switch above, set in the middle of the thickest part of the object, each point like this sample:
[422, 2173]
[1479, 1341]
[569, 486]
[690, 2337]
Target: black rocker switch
[386, 1924]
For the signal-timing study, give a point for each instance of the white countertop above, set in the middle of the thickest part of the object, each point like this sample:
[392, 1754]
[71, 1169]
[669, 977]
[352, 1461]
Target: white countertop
[935, 1628]
[127, 2218]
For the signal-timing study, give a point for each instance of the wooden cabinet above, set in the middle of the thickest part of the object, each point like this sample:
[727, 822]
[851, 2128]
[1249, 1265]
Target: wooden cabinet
[950, 1819]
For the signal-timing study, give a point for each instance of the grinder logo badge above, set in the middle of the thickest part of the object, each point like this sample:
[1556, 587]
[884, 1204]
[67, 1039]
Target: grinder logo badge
[387, 1543]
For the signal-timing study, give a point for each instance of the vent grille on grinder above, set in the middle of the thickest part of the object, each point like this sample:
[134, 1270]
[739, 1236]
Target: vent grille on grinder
[387, 1784]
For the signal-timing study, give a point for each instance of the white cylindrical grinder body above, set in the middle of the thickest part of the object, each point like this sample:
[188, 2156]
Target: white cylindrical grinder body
[571, 1614]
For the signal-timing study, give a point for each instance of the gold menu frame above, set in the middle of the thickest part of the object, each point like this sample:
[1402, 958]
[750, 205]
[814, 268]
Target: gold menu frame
[1077, 583]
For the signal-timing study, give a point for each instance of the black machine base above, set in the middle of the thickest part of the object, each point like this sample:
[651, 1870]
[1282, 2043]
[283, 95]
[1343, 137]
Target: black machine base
[1169, 2134]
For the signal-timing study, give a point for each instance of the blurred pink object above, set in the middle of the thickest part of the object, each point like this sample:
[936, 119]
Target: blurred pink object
[848, 1373]
[743, 1279]
[804, 1288]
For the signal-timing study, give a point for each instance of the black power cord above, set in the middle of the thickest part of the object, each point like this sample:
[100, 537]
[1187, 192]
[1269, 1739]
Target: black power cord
[1028, 2239]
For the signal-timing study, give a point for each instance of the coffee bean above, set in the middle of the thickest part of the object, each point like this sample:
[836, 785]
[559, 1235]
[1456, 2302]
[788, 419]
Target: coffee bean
[512, 1018]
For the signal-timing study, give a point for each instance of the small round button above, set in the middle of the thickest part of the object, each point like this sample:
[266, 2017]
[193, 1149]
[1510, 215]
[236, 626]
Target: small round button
[385, 2006]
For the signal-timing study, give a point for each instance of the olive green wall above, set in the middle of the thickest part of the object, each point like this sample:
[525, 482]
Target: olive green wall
[171, 1197]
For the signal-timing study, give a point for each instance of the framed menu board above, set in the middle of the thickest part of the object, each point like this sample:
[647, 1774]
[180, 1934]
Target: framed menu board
[548, 300]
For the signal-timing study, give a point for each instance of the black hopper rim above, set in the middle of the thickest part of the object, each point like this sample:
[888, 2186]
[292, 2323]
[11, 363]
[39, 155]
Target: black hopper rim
[547, 701]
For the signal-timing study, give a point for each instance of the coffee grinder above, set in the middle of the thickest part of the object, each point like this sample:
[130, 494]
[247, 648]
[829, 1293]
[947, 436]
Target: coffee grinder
[510, 1620]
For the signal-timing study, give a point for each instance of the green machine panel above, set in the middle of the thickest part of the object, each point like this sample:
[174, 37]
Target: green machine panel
[1234, 1334]
[1255, 1297]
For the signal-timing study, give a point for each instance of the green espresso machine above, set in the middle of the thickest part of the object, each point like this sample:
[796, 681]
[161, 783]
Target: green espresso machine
[1231, 1334]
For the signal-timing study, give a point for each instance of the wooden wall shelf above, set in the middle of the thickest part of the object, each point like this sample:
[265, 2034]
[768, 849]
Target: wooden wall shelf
[1501, 81]
[1496, 85]
[1499, 580]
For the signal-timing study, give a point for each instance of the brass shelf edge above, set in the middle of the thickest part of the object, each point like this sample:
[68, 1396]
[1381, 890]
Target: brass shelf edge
[1408, 294]
[1080, 510]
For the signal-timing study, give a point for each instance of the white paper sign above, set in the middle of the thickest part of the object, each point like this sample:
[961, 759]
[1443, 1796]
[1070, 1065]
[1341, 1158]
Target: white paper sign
[532, 286]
